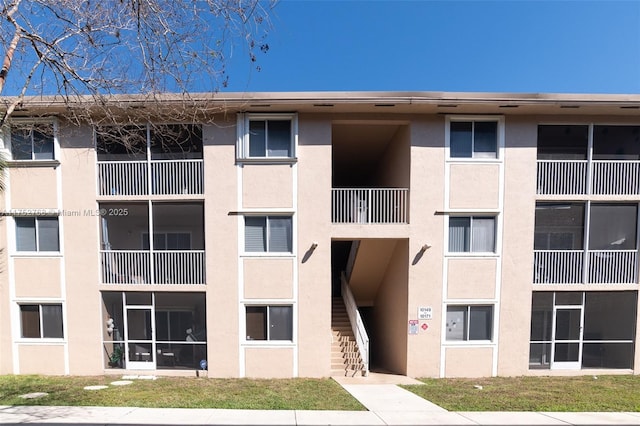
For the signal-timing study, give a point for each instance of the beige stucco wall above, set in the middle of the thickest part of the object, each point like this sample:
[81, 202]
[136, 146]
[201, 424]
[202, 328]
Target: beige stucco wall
[6, 338]
[81, 244]
[41, 359]
[468, 362]
[390, 314]
[33, 187]
[474, 186]
[221, 233]
[37, 276]
[268, 278]
[395, 165]
[517, 245]
[314, 266]
[269, 362]
[471, 278]
[267, 185]
[425, 267]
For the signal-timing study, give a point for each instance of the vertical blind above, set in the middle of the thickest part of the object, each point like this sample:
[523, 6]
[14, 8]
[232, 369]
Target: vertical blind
[476, 234]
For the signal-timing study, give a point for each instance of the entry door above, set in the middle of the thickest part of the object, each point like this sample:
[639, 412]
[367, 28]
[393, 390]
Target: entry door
[567, 337]
[140, 351]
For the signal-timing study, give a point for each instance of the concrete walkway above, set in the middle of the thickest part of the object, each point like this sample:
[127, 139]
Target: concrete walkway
[388, 404]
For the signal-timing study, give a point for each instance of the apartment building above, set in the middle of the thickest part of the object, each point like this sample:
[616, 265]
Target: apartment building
[314, 234]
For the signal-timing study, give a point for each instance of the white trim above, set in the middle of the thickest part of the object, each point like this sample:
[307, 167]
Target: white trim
[497, 214]
[241, 149]
[499, 119]
[63, 269]
[242, 144]
[240, 247]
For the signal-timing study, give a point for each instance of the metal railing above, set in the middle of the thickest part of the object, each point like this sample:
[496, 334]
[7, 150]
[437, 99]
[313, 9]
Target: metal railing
[122, 178]
[579, 177]
[601, 266]
[369, 205]
[613, 267]
[562, 177]
[179, 267]
[167, 177]
[357, 325]
[163, 267]
[170, 177]
[616, 177]
[558, 266]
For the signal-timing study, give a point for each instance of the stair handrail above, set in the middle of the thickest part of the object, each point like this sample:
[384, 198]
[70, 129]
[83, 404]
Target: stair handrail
[357, 325]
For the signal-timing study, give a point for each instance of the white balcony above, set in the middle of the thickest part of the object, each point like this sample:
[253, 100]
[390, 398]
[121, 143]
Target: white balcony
[168, 267]
[613, 267]
[616, 177]
[602, 266]
[562, 177]
[369, 205]
[558, 266]
[571, 177]
[167, 177]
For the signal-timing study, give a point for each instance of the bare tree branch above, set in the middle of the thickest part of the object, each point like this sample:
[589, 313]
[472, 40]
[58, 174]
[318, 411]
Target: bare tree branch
[108, 47]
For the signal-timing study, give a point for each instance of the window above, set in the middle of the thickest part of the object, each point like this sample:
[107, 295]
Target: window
[167, 241]
[469, 323]
[41, 321]
[267, 234]
[32, 142]
[37, 234]
[269, 322]
[473, 139]
[472, 234]
[268, 136]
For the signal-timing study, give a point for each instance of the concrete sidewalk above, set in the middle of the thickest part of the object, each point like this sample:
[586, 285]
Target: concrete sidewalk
[387, 404]
[181, 416]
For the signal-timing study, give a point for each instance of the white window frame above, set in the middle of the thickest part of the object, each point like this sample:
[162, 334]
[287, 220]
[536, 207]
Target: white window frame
[268, 340]
[471, 252]
[243, 149]
[466, 325]
[267, 251]
[41, 320]
[499, 120]
[37, 237]
[26, 122]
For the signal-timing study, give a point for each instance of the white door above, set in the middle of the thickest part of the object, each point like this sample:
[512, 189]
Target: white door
[139, 338]
[566, 350]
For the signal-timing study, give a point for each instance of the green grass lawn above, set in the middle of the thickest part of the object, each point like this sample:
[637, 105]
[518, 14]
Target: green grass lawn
[285, 394]
[584, 393]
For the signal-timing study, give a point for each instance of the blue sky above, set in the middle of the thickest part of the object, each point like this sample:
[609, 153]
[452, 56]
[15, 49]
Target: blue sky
[563, 46]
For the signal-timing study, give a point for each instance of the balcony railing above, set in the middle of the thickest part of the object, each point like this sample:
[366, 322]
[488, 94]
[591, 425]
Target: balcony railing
[571, 177]
[616, 177]
[558, 266]
[168, 267]
[602, 266]
[613, 267]
[368, 205]
[562, 177]
[167, 177]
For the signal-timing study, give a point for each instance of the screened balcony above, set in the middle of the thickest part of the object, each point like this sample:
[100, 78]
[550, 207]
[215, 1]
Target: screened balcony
[154, 159]
[175, 254]
[561, 255]
[582, 160]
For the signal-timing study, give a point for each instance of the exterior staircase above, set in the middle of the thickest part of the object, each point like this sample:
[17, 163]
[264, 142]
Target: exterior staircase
[345, 356]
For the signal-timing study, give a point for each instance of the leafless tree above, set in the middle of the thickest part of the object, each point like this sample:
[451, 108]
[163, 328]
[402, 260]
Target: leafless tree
[82, 52]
